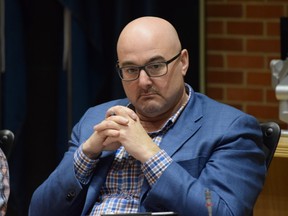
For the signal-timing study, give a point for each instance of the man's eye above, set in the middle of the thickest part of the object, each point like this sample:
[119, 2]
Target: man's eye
[131, 70]
[153, 66]
[156, 66]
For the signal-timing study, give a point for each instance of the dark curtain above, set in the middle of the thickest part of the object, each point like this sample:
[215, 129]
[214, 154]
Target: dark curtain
[36, 103]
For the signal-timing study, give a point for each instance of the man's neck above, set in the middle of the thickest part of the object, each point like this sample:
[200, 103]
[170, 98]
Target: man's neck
[155, 123]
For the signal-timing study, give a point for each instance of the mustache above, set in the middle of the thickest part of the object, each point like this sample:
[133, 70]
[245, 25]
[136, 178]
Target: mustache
[150, 90]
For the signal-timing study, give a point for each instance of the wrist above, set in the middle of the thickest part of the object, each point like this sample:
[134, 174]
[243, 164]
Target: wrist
[90, 152]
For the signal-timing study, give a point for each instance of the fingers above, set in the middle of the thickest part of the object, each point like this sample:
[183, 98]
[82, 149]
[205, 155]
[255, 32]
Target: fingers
[107, 134]
[112, 123]
[111, 146]
[121, 111]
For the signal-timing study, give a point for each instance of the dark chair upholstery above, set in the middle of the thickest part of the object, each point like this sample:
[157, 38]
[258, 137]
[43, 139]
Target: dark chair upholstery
[271, 135]
[6, 141]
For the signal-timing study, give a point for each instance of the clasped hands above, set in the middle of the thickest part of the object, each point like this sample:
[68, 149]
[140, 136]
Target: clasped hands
[121, 127]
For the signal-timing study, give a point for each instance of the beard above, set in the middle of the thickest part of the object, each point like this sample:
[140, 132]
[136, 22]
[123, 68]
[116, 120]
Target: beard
[150, 108]
[150, 103]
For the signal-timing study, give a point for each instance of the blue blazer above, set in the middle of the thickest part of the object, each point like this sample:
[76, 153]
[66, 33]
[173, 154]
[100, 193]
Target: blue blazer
[213, 146]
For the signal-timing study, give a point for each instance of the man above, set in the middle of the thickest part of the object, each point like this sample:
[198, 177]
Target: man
[161, 148]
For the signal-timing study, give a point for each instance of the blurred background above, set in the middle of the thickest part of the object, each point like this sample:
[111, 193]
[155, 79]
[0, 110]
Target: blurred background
[58, 59]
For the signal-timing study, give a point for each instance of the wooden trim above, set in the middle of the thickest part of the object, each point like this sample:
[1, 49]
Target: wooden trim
[282, 148]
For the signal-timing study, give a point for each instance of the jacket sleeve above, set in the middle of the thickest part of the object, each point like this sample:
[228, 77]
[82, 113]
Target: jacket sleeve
[61, 193]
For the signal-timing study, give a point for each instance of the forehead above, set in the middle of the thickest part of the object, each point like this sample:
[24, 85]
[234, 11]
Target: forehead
[136, 60]
[142, 50]
[143, 45]
[147, 35]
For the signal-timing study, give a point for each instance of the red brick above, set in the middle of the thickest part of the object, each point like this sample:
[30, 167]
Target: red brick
[273, 28]
[263, 79]
[214, 27]
[244, 0]
[263, 111]
[245, 61]
[265, 11]
[271, 96]
[255, 64]
[225, 44]
[225, 77]
[240, 94]
[215, 93]
[224, 10]
[215, 60]
[245, 28]
[284, 1]
[263, 45]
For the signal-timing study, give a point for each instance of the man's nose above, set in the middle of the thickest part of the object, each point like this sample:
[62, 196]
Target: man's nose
[144, 78]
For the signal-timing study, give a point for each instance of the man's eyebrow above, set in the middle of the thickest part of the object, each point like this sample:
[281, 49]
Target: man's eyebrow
[152, 59]
[156, 58]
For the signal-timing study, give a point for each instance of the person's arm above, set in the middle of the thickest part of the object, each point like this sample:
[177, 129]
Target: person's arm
[84, 166]
[64, 191]
[234, 173]
[4, 183]
[155, 166]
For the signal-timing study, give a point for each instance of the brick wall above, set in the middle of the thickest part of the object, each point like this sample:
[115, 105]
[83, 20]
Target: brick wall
[242, 37]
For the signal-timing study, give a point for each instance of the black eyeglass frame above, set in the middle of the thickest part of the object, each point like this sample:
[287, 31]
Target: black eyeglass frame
[119, 70]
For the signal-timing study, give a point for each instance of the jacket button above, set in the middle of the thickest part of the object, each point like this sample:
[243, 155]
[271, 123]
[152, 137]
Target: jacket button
[70, 196]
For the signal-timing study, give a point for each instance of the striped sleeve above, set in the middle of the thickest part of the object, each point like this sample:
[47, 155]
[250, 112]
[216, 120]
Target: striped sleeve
[155, 166]
[83, 165]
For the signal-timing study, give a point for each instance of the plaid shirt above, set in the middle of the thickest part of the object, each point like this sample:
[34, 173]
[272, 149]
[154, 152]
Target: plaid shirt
[4, 183]
[121, 191]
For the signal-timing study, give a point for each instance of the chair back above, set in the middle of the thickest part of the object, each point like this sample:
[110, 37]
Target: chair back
[6, 141]
[271, 135]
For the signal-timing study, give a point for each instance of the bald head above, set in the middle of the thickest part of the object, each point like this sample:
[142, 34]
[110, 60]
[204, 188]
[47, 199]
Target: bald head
[148, 33]
[145, 44]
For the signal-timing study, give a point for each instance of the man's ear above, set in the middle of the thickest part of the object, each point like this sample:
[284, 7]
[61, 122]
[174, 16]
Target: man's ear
[184, 61]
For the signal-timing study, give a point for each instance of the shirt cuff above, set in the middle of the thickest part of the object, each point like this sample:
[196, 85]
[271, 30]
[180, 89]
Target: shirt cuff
[155, 166]
[83, 165]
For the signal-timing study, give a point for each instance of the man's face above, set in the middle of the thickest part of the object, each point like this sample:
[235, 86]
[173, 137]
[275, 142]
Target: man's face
[151, 40]
[153, 96]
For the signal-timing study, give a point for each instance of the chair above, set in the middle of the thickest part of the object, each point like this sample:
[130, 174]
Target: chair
[6, 141]
[271, 135]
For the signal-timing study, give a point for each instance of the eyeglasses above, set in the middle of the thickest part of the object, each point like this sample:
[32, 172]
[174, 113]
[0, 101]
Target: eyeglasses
[155, 69]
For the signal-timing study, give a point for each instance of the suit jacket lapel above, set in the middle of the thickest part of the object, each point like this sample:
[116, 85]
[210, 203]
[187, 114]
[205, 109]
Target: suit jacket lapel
[185, 127]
